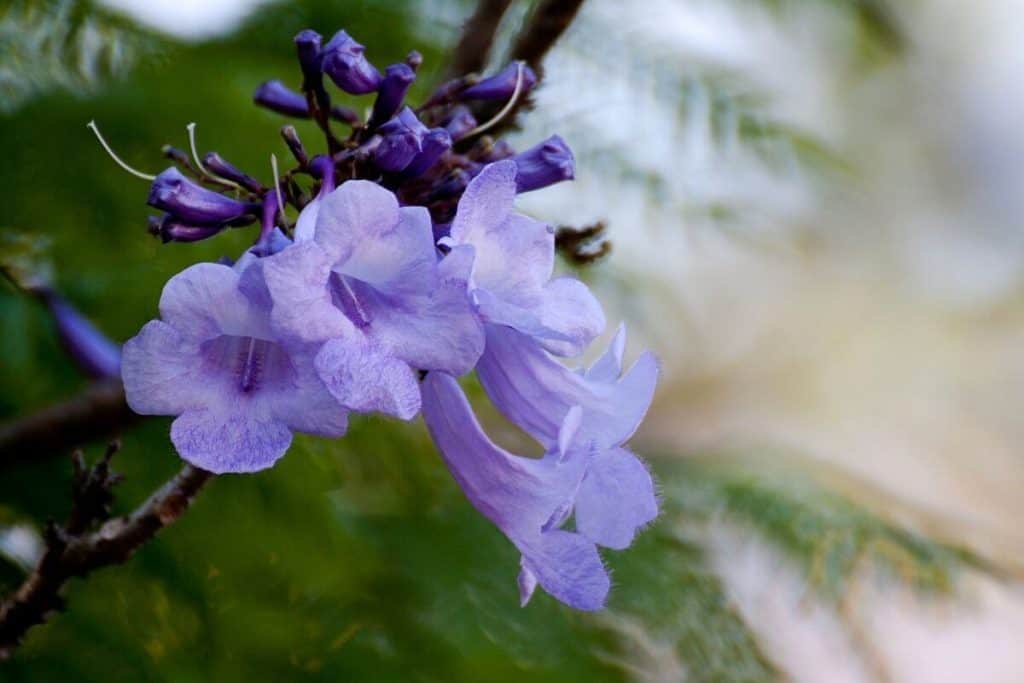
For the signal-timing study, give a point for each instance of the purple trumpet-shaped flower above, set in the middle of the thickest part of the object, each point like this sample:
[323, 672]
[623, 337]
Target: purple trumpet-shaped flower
[501, 85]
[391, 93]
[544, 164]
[536, 392]
[459, 122]
[368, 285]
[174, 193]
[435, 143]
[401, 140]
[343, 59]
[528, 499]
[213, 361]
[91, 350]
[513, 261]
[305, 226]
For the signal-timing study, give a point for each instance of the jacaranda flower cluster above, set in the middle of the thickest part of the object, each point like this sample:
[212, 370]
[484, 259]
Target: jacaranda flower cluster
[406, 268]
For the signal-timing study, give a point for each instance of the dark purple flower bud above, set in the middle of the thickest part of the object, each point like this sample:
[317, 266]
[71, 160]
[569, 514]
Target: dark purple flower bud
[401, 140]
[448, 91]
[544, 164]
[225, 169]
[91, 350]
[307, 44]
[174, 193]
[397, 79]
[501, 85]
[459, 122]
[276, 96]
[170, 228]
[343, 60]
[452, 186]
[435, 143]
[323, 168]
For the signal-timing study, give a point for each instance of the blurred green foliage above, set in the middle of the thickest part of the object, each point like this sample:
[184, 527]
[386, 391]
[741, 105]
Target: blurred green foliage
[355, 559]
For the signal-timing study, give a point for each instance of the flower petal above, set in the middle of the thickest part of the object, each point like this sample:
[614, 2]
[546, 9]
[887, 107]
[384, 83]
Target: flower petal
[616, 499]
[570, 309]
[568, 566]
[486, 202]
[309, 407]
[204, 301]
[364, 379]
[535, 391]
[230, 438]
[297, 281]
[160, 371]
[437, 329]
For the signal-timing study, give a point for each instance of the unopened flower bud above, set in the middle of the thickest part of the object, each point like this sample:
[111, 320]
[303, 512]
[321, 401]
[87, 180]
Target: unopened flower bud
[435, 143]
[225, 169]
[307, 45]
[343, 59]
[501, 85]
[397, 79]
[401, 140]
[276, 96]
[459, 122]
[544, 164]
[89, 348]
[174, 193]
[170, 228]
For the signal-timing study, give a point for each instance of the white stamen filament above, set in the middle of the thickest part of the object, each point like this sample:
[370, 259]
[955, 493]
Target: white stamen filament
[506, 109]
[191, 128]
[277, 190]
[117, 159]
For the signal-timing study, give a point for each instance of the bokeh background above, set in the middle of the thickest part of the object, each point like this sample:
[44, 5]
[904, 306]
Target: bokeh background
[818, 224]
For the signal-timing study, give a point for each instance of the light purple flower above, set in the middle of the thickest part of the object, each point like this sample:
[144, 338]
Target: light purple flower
[536, 392]
[526, 498]
[368, 285]
[213, 361]
[513, 258]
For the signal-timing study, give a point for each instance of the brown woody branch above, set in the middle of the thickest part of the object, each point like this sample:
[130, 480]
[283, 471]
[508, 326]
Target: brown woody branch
[97, 413]
[90, 540]
[538, 35]
[470, 54]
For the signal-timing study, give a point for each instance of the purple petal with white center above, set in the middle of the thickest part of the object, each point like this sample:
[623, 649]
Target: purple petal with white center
[520, 496]
[616, 499]
[535, 391]
[365, 379]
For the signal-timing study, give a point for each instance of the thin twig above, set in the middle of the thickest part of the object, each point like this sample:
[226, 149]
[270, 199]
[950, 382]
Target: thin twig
[536, 38]
[79, 547]
[474, 46]
[545, 26]
[98, 412]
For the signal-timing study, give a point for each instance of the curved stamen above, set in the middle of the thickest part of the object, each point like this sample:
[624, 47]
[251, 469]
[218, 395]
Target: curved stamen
[506, 109]
[191, 128]
[138, 174]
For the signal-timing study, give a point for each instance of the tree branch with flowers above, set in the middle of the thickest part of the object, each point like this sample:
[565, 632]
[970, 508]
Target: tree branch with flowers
[405, 267]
